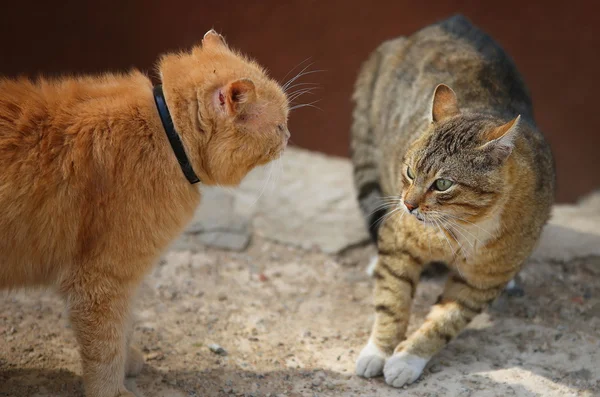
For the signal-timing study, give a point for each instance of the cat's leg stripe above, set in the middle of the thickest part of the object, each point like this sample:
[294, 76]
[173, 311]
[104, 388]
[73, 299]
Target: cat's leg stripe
[446, 337]
[460, 302]
[457, 279]
[377, 275]
[400, 252]
[469, 306]
[386, 310]
[401, 277]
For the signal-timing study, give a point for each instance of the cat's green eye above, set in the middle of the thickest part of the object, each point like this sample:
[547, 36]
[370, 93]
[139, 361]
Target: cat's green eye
[410, 174]
[442, 184]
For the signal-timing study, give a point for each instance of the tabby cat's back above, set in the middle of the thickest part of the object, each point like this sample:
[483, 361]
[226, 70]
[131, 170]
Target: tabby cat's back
[449, 167]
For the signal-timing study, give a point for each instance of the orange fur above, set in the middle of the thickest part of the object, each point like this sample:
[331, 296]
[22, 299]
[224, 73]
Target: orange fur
[91, 192]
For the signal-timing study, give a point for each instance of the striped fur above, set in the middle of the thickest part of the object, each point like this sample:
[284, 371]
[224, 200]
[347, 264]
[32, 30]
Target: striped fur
[444, 103]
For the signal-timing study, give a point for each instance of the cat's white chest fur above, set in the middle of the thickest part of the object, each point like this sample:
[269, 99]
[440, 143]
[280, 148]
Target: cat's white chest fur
[471, 237]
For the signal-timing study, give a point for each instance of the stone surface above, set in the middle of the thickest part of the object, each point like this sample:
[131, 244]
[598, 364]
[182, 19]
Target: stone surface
[572, 232]
[312, 203]
[216, 223]
[305, 199]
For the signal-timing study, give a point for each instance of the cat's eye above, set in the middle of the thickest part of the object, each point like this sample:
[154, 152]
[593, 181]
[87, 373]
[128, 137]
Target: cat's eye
[442, 184]
[410, 173]
[280, 127]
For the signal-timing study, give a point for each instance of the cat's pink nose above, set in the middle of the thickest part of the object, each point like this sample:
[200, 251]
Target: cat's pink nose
[410, 206]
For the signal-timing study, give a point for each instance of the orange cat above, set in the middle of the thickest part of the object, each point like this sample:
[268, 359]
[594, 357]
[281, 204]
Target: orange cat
[95, 182]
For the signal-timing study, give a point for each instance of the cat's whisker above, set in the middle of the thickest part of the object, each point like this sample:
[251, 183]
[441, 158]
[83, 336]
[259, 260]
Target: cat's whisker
[455, 229]
[291, 80]
[300, 91]
[443, 231]
[297, 94]
[313, 85]
[301, 74]
[465, 230]
[471, 223]
[292, 69]
[384, 207]
[429, 242]
[381, 206]
[279, 173]
[460, 245]
[264, 186]
[438, 230]
[400, 219]
[385, 217]
[306, 105]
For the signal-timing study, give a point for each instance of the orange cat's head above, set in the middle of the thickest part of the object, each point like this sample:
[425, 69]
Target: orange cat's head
[230, 114]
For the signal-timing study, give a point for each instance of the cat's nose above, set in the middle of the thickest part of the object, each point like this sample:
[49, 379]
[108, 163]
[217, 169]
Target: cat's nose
[410, 206]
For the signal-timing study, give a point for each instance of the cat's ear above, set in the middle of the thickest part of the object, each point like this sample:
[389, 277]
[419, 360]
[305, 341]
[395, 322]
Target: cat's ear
[500, 141]
[236, 95]
[444, 104]
[213, 39]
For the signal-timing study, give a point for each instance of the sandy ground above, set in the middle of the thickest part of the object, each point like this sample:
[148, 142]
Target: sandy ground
[292, 323]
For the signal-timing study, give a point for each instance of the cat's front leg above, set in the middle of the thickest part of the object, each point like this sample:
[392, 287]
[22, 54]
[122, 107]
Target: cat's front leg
[456, 307]
[396, 274]
[99, 311]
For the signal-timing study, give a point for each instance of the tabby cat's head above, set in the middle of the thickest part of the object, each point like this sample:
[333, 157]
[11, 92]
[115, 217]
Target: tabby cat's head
[231, 115]
[455, 171]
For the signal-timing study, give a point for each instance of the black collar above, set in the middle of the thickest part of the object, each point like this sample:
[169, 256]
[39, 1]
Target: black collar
[173, 136]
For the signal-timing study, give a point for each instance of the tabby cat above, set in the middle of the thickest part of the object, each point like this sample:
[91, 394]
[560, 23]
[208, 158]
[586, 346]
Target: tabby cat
[98, 177]
[465, 176]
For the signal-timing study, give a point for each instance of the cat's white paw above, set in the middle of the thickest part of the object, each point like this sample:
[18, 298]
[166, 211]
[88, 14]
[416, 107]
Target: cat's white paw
[372, 264]
[370, 361]
[403, 368]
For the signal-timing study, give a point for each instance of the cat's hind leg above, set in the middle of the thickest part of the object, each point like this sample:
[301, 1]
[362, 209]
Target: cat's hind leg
[134, 362]
[99, 308]
[135, 359]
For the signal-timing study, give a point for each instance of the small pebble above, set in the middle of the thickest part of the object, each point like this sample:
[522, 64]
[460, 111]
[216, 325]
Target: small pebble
[435, 368]
[217, 349]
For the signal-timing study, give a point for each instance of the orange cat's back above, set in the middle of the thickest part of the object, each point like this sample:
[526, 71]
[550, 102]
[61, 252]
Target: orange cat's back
[99, 174]
[62, 157]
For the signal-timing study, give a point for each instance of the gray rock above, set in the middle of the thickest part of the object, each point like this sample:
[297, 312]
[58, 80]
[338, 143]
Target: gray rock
[313, 204]
[216, 223]
[572, 231]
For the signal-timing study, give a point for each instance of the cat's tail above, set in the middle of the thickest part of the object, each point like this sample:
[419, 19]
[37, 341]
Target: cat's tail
[363, 146]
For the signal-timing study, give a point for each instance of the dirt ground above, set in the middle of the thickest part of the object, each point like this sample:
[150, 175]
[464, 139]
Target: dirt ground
[292, 323]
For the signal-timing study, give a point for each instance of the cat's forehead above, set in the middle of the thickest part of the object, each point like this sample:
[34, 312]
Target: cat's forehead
[451, 145]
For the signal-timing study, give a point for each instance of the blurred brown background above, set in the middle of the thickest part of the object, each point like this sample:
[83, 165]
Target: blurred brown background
[555, 46]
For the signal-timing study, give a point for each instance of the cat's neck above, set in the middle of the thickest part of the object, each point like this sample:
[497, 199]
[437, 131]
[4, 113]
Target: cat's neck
[182, 99]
